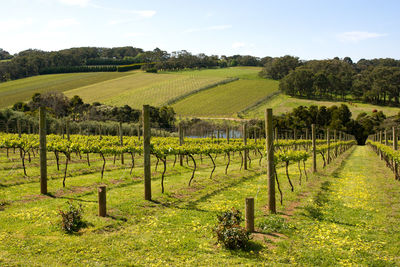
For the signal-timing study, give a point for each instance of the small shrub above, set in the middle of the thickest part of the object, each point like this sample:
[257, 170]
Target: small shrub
[229, 232]
[71, 218]
[273, 223]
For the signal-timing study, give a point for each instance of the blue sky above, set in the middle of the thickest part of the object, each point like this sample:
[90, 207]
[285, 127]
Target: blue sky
[309, 29]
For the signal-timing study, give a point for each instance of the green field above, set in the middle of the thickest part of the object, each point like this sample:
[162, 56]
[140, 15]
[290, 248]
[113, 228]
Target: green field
[226, 100]
[284, 103]
[233, 72]
[23, 89]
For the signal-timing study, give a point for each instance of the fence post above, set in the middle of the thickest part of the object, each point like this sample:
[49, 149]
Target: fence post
[386, 138]
[245, 143]
[328, 139]
[146, 152]
[67, 130]
[227, 134]
[307, 137]
[42, 150]
[121, 136]
[102, 201]
[249, 214]
[180, 129]
[19, 128]
[314, 149]
[270, 161]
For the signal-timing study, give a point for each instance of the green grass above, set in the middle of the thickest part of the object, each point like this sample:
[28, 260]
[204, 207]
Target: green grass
[159, 93]
[233, 72]
[226, 100]
[23, 89]
[284, 103]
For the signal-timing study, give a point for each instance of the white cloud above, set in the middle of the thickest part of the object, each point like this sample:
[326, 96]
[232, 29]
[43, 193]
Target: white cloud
[63, 23]
[356, 36]
[81, 3]
[211, 28]
[238, 45]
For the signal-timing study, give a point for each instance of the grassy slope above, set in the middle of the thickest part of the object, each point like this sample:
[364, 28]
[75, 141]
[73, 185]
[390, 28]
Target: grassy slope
[23, 89]
[284, 103]
[226, 100]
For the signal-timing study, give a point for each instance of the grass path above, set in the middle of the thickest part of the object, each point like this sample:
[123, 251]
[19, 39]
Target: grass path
[352, 219]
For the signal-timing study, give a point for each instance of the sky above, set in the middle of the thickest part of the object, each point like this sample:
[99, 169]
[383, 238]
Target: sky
[309, 29]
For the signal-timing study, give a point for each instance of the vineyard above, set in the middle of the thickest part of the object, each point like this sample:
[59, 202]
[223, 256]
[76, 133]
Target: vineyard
[188, 176]
[186, 182]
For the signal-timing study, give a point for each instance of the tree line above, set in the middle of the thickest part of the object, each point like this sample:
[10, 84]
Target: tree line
[374, 81]
[60, 106]
[86, 59]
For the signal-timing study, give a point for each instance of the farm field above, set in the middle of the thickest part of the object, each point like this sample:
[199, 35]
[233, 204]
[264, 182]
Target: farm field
[283, 103]
[23, 89]
[176, 227]
[226, 100]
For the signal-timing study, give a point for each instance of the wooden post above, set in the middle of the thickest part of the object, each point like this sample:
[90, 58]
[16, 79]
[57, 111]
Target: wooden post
[19, 128]
[121, 136]
[146, 152]
[249, 214]
[328, 141]
[270, 161]
[386, 138]
[227, 134]
[102, 201]
[246, 152]
[42, 150]
[180, 129]
[67, 130]
[307, 137]
[295, 134]
[314, 148]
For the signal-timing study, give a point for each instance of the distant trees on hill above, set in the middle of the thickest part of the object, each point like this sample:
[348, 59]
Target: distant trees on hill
[86, 59]
[374, 81]
[61, 106]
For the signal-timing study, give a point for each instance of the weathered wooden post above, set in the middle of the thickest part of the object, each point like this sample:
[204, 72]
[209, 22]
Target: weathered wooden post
[295, 134]
[386, 138]
[102, 201]
[146, 152]
[227, 134]
[328, 141]
[121, 137]
[270, 161]
[42, 150]
[249, 214]
[246, 152]
[314, 148]
[19, 128]
[67, 130]
[181, 141]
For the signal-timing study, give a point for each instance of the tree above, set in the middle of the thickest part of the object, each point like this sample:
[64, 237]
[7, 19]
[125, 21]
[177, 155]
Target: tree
[280, 67]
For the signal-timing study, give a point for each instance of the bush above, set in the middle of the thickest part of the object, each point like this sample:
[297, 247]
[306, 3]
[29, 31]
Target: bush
[273, 223]
[135, 66]
[71, 218]
[229, 232]
[152, 70]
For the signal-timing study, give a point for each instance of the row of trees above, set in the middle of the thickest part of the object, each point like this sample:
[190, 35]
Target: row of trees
[335, 118]
[375, 81]
[33, 62]
[75, 109]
